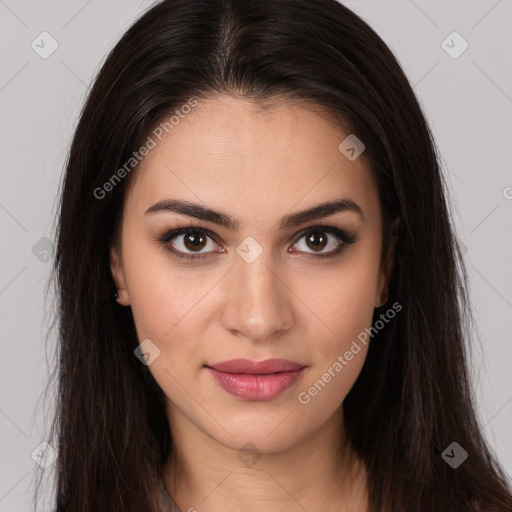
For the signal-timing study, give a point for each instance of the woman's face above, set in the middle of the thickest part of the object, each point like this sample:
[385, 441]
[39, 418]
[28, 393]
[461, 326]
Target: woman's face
[261, 287]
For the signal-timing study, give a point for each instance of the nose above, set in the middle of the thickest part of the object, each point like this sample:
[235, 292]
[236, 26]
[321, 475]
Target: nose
[259, 302]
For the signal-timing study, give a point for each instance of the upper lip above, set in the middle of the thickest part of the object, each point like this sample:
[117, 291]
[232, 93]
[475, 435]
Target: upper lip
[256, 367]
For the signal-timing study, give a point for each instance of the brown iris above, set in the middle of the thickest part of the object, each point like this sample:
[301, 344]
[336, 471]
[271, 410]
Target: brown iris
[315, 239]
[194, 240]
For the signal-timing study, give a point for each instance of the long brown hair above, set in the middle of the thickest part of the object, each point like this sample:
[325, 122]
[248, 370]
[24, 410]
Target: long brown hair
[413, 397]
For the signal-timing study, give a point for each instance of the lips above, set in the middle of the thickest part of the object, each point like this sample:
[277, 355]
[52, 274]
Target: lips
[256, 380]
[256, 367]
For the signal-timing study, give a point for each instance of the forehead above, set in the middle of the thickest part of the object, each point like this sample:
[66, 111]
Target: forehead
[238, 155]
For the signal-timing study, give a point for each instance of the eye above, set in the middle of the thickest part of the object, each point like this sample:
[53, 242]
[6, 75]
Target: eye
[180, 241]
[319, 238]
[192, 243]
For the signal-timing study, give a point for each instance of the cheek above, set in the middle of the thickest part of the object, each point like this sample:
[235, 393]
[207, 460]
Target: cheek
[324, 392]
[170, 307]
[164, 304]
[339, 354]
[345, 306]
[160, 296]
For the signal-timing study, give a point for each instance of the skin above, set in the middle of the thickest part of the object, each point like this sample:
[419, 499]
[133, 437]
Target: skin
[256, 165]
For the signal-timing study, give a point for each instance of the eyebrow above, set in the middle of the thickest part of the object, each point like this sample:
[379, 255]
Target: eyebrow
[288, 221]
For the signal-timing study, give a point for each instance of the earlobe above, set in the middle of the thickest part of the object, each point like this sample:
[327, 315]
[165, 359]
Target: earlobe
[381, 299]
[116, 268]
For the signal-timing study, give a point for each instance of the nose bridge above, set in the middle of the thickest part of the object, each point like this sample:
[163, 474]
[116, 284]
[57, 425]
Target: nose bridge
[257, 306]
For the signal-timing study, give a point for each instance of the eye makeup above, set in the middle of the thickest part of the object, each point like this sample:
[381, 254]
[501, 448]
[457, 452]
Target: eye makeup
[342, 239]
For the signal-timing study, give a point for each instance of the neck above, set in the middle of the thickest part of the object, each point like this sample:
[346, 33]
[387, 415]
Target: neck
[318, 473]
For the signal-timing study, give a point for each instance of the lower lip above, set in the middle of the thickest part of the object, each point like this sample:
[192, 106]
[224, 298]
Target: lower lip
[257, 388]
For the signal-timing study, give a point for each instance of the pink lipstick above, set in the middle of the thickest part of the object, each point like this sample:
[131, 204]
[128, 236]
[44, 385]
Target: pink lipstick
[256, 380]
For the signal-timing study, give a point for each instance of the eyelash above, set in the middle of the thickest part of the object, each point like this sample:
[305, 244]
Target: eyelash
[345, 240]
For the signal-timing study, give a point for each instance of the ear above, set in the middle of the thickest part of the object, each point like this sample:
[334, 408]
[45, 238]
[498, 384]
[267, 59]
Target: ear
[386, 271]
[116, 267]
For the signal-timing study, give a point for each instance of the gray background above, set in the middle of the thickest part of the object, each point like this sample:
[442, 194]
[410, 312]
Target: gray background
[467, 101]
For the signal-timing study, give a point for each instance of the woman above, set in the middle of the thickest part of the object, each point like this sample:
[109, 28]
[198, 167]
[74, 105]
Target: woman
[262, 302]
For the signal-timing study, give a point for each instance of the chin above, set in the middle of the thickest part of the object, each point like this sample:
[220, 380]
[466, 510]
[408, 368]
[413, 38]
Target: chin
[267, 433]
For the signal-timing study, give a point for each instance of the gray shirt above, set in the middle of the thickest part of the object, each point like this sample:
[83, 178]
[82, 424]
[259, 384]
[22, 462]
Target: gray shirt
[166, 503]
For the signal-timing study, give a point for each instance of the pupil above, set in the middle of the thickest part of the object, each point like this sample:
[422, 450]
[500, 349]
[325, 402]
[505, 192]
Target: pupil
[313, 236]
[193, 241]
